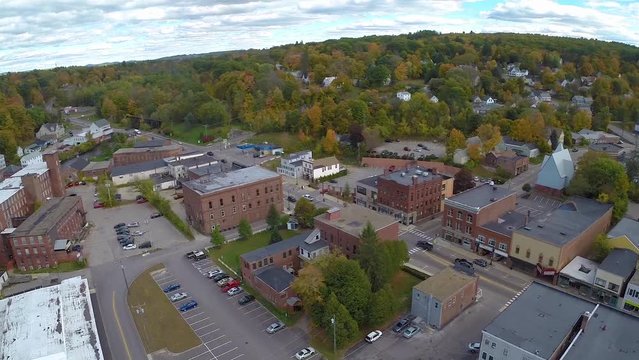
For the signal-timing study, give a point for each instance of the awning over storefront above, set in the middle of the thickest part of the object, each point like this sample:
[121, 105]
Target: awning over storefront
[490, 248]
[545, 271]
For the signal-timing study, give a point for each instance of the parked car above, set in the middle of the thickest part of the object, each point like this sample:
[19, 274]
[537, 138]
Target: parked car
[406, 148]
[373, 336]
[212, 273]
[120, 225]
[291, 198]
[474, 347]
[465, 266]
[190, 255]
[178, 196]
[480, 262]
[121, 231]
[188, 305]
[246, 299]
[224, 281]
[76, 247]
[118, 197]
[229, 285]
[275, 327]
[97, 205]
[305, 353]
[178, 296]
[461, 261]
[308, 197]
[401, 324]
[199, 255]
[171, 288]
[410, 331]
[420, 145]
[141, 200]
[426, 245]
[133, 224]
[145, 245]
[332, 181]
[574, 150]
[209, 153]
[219, 277]
[156, 215]
[129, 247]
[137, 233]
[234, 291]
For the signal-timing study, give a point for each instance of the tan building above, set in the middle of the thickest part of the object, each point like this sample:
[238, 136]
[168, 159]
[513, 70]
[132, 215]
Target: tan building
[443, 296]
[549, 243]
[127, 156]
[226, 198]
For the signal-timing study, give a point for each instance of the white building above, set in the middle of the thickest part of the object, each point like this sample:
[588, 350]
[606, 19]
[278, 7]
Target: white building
[3, 162]
[316, 169]
[31, 158]
[403, 95]
[434, 99]
[74, 140]
[126, 174]
[328, 81]
[97, 130]
[292, 164]
[52, 323]
[313, 246]
[180, 165]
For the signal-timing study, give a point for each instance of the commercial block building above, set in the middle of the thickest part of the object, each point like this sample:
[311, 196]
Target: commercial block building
[292, 165]
[180, 165]
[545, 323]
[33, 241]
[127, 156]
[224, 199]
[465, 212]
[319, 168]
[508, 160]
[613, 275]
[341, 227]
[443, 296]
[549, 243]
[126, 174]
[494, 237]
[631, 296]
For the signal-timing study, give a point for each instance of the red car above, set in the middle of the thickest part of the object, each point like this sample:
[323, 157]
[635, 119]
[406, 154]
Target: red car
[231, 284]
[141, 200]
[97, 205]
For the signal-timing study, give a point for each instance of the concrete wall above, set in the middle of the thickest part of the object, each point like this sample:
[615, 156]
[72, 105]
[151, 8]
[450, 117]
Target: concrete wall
[458, 302]
[426, 307]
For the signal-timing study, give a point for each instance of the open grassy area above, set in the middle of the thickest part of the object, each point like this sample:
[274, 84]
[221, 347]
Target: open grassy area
[192, 134]
[158, 322]
[62, 267]
[230, 253]
[289, 142]
[402, 285]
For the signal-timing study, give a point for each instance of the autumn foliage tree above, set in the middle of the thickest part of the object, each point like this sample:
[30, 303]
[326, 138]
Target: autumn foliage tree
[456, 140]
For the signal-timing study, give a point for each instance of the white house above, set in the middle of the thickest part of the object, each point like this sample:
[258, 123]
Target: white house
[328, 81]
[292, 165]
[545, 96]
[50, 131]
[461, 156]
[316, 169]
[180, 165]
[313, 246]
[403, 95]
[31, 158]
[20, 151]
[515, 71]
[74, 140]
[490, 100]
[97, 130]
[434, 99]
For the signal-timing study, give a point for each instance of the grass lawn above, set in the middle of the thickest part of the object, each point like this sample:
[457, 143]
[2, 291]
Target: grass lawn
[62, 267]
[230, 253]
[160, 325]
[482, 172]
[289, 142]
[192, 134]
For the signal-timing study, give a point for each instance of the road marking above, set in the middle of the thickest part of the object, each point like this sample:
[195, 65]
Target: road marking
[203, 327]
[237, 357]
[197, 356]
[117, 321]
[208, 333]
[219, 346]
[217, 338]
[192, 316]
[224, 353]
[354, 351]
[206, 318]
[250, 311]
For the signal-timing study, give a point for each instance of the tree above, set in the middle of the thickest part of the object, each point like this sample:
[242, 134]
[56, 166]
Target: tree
[330, 145]
[383, 305]
[346, 191]
[356, 134]
[309, 284]
[490, 136]
[217, 238]
[554, 139]
[463, 181]
[245, 230]
[275, 236]
[456, 140]
[601, 247]
[346, 279]
[273, 218]
[581, 120]
[346, 327]
[304, 212]
[526, 187]
[372, 259]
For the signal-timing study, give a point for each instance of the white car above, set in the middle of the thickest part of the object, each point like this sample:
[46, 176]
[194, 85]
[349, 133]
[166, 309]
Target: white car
[374, 335]
[133, 224]
[212, 273]
[275, 327]
[234, 291]
[305, 353]
[224, 281]
[138, 233]
[129, 247]
[308, 197]
[178, 296]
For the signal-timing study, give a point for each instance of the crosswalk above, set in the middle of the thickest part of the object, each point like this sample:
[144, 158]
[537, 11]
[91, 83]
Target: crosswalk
[420, 235]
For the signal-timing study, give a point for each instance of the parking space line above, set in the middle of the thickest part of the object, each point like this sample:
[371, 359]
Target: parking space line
[192, 316]
[208, 333]
[224, 353]
[219, 346]
[206, 318]
[237, 357]
[197, 356]
[250, 311]
[162, 283]
[217, 338]
[257, 316]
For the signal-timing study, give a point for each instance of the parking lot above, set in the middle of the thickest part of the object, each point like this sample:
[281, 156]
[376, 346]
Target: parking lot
[431, 148]
[228, 331]
[538, 205]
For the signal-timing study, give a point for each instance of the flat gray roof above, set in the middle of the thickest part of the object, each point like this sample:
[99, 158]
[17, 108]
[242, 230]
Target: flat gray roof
[54, 322]
[479, 196]
[276, 248]
[215, 182]
[47, 216]
[276, 278]
[194, 161]
[581, 269]
[627, 227]
[149, 149]
[97, 165]
[405, 177]
[353, 219]
[370, 181]
[506, 223]
[136, 168]
[207, 169]
[563, 224]
[620, 262]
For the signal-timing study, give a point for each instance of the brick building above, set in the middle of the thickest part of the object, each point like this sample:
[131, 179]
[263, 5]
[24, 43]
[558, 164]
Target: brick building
[546, 245]
[33, 241]
[443, 296]
[495, 236]
[127, 156]
[465, 212]
[341, 227]
[508, 160]
[224, 199]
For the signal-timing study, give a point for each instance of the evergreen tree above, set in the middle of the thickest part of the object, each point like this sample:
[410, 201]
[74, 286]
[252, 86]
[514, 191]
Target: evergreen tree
[245, 230]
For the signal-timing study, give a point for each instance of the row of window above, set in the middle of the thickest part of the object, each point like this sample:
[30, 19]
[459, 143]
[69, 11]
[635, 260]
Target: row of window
[611, 286]
[458, 226]
[491, 242]
[244, 208]
[540, 258]
[268, 261]
[243, 195]
[469, 217]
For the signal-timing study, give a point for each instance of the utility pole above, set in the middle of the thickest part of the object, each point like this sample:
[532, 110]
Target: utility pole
[206, 126]
[334, 337]
[126, 282]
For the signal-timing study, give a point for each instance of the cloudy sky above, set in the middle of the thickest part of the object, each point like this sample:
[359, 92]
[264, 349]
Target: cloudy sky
[48, 33]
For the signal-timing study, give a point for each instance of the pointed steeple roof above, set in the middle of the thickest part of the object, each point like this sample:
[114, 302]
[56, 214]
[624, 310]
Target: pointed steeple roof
[560, 147]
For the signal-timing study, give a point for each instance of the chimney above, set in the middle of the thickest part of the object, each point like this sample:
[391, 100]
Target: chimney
[33, 189]
[414, 179]
[333, 214]
[584, 321]
[55, 175]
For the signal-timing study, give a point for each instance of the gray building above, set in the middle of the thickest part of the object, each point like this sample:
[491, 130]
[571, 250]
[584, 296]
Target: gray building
[292, 164]
[366, 193]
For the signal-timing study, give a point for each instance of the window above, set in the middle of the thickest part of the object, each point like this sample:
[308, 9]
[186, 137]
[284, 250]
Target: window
[211, 216]
[450, 212]
[613, 287]
[468, 229]
[491, 242]
[492, 346]
[26, 251]
[284, 255]
[528, 254]
[250, 205]
[448, 223]
[436, 305]
[486, 342]
[503, 247]
[506, 352]
[601, 282]
[244, 207]
[270, 260]
[35, 251]
[257, 192]
[259, 263]
[540, 259]
[253, 266]
[459, 215]
[469, 218]
[221, 202]
[232, 198]
[290, 252]
[265, 190]
[222, 213]
[210, 205]
[234, 209]
[484, 355]
[517, 249]
[259, 203]
[551, 261]
[481, 239]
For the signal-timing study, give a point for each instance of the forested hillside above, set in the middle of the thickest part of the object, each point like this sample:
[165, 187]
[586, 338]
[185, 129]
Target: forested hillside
[281, 89]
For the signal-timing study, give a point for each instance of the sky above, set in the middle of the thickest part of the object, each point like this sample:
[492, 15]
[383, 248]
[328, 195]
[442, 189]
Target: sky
[40, 34]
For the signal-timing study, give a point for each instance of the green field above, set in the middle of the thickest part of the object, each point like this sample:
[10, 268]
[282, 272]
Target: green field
[192, 133]
[158, 322]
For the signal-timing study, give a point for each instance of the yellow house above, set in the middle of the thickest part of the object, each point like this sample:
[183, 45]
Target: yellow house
[625, 235]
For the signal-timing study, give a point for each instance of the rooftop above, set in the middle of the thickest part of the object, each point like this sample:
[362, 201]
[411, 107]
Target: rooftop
[55, 322]
[331, 160]
[541, 318]
[405, 177]
[150, 143]
[136, 168]
[149, 149]
[207, 169]
[77, 163]
[479, 196]
[506, 223]
[97, 165]
[626, 227]
[34, 168]
[370, 181]
[298, 154]
[313, 242]
[194, 161]
[276, 248]
[605, 147]
[47, 216]
[445, 283]
[215, 182]
[102, 123]
[353, 219]
[621, 262]
[563, 224]
[276, 278]
[581, 269]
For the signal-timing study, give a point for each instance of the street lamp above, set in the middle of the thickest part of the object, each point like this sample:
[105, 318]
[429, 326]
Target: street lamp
[108, 187]
[126, 282]
[334, 337]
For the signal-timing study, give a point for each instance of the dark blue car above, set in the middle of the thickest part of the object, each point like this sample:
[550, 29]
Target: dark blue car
[188, 305]
[171, 287]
